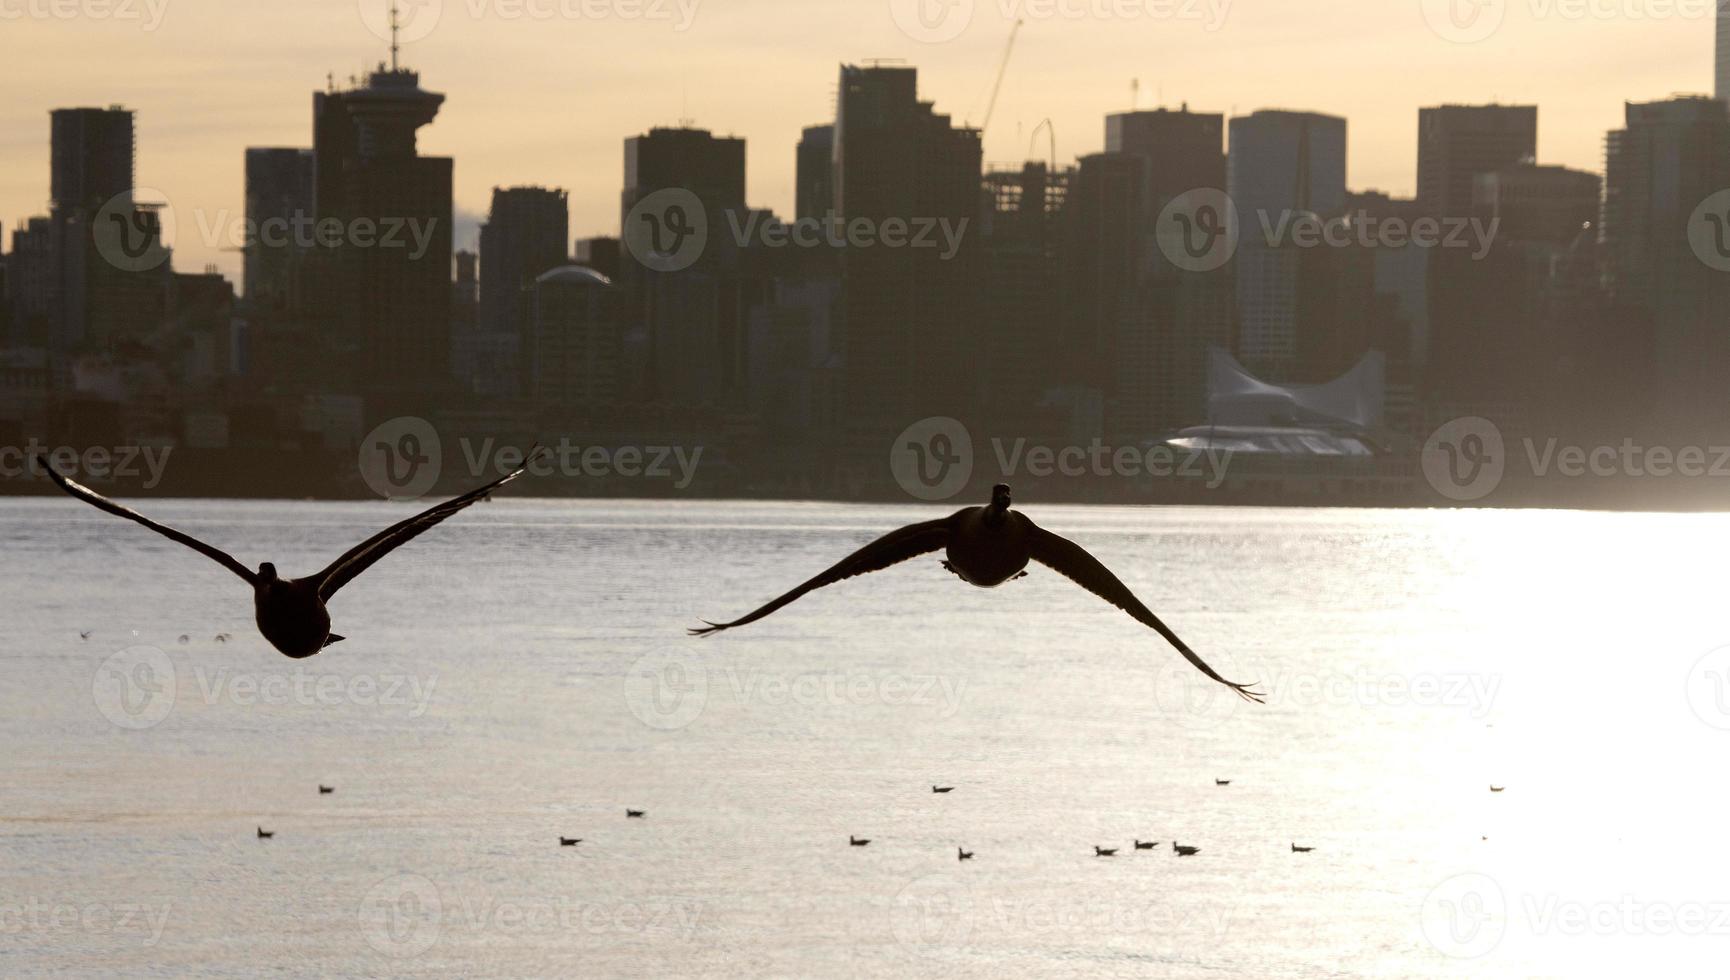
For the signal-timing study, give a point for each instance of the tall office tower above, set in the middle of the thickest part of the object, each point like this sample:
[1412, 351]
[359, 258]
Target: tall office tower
[573, 350]
[279, 211]
[909, 317]
[30, 282]
[1458, 143]
[387, 299]
[1281, 165]
[815, 196]
[1722, 89]
[1022, 234]
[598, 252]
[1171, 317]
[1105, 235]
[98, 302]
[1182, 150]
[1669, 160]
[527, 233]
[691, 322]
[92, 157]
[1530, 203]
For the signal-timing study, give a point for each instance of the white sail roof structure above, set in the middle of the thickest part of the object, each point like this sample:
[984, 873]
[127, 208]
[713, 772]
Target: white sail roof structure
[1353, 401]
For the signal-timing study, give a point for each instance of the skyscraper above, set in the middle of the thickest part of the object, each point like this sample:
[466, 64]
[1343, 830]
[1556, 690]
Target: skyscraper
[279, 210]
[693, 320]
[1722, 89]
[909, 316]
[92, 157]
[815, 196]
[527, 233]
[1282, 165]
[388, 303]
[1182, 150]
[1457, 143]
[1660, 169]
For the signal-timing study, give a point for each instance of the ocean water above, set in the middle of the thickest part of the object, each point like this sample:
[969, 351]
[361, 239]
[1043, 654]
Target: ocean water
[522, 674]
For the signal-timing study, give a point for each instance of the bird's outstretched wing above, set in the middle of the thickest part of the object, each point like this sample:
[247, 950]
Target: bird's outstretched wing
[1076, 564]
[361, 557]
[100, 502]
[891, 549]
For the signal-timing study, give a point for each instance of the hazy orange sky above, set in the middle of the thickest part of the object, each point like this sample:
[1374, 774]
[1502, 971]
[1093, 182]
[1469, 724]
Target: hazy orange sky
[544, 91]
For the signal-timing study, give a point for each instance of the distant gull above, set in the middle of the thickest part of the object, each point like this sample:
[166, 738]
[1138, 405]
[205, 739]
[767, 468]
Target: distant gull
[85, 634]
[1104, 852]
[961, 855]
[856, 842]
[265, 834]
[1182, 850]
[184, 639]
[988, 546]
[291, 612]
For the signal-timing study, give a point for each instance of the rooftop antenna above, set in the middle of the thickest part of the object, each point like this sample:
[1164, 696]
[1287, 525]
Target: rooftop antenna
[395, 28]
[1134, 93]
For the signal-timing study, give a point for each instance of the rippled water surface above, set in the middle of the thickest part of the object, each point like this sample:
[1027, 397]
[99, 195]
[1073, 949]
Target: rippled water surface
[522, 673]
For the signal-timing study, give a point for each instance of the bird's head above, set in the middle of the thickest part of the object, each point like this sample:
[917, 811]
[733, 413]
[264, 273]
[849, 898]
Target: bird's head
[267, 572]
[1000, 498]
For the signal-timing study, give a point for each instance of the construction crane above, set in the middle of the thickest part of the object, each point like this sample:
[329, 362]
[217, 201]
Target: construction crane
[997, 86]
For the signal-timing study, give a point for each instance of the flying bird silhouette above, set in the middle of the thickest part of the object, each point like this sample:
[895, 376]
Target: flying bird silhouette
[291, 612]
[988, 546]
